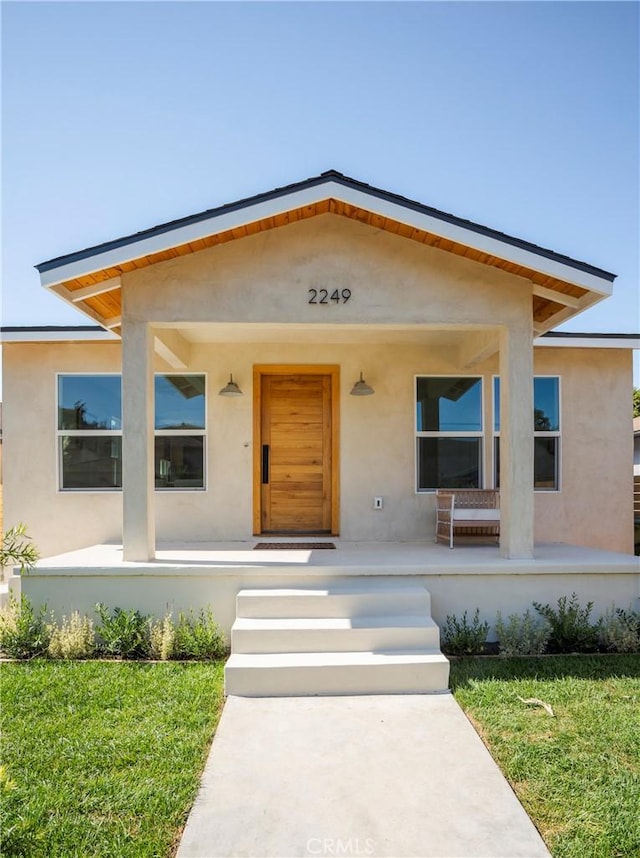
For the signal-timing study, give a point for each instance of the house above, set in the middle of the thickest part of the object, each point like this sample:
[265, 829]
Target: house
[1, 502]
[209, 405]
[636, 484]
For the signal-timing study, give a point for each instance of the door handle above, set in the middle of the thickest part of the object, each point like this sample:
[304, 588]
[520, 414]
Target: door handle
[265, 464]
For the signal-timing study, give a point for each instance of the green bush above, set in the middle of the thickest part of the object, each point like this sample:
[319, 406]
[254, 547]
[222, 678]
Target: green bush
[460, 638]
[619, 630]
[522, 635]
[124, 633]
[17, 549]
[571, 630]
[73, 638]
[23, 632]
[198, 636]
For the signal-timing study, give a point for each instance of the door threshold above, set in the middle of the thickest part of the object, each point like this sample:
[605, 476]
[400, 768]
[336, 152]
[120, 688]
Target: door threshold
[301, 534]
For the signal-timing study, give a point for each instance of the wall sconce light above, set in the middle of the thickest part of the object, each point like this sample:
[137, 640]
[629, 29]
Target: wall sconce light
[230, 388]
[361, 388]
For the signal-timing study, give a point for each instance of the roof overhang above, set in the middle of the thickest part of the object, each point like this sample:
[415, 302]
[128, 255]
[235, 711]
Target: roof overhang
[569, 339]
[91, 279]
[55, 334]
[247, 333]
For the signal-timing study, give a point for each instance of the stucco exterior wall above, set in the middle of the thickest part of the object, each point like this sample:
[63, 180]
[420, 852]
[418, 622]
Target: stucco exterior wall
[595, 504]
[56, 520]
[265, 279]
[377, 453]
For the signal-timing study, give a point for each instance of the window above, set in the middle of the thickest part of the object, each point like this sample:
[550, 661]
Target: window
[449, 432]
[180, 423]
[546, 432]
[90, 431]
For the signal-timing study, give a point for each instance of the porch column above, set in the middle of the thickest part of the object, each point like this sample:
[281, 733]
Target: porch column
[138, 525]
[516, 442]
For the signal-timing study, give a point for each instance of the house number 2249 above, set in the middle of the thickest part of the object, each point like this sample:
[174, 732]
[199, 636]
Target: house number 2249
[322, 296]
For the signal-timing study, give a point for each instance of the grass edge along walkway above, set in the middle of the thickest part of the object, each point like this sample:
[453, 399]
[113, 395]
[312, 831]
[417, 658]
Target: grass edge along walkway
[577, 773]
[103, 758]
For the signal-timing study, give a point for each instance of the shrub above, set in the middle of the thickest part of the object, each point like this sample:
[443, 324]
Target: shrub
[73, 638]
[123, 633]
[571, 630]
[460, 638]
[18, 549]
[198, 636]
[522, 635]
[619, 630]
[23, 632]
[162, 635]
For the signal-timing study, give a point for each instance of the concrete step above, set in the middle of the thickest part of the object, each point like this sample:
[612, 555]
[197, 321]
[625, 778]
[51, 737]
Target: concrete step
[335, 673]
[334, 634]
[371, 598]
[367, 636]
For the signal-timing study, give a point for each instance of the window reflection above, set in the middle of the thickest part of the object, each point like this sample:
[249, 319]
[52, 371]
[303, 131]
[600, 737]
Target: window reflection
[180, 402]
[449, 405]
[89, 402]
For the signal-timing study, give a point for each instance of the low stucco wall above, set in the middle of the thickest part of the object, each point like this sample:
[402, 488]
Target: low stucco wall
[156, 592]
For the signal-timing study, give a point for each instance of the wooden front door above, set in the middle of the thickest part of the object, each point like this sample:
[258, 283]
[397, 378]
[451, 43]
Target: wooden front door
[295, 459]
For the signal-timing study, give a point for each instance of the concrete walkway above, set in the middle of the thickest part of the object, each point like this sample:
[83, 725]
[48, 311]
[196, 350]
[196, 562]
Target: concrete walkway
[395, 776]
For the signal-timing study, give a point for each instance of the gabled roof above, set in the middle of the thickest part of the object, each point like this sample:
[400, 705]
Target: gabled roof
[90, 278]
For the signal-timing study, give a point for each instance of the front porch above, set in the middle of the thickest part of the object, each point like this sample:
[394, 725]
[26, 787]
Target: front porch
[192, 575]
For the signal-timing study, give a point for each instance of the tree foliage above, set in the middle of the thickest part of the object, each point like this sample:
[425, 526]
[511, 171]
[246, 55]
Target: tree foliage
[18, 549]
[636, 401]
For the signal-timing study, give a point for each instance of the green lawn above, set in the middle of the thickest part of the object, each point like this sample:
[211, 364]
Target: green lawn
[577, 773]
[105, 758]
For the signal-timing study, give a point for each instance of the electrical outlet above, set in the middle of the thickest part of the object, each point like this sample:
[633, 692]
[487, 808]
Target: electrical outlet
[378, 503]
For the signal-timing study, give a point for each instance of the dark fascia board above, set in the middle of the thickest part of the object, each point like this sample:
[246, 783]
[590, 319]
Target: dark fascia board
[592, 336]
[13, 329]
[323, 178]
[25, 329]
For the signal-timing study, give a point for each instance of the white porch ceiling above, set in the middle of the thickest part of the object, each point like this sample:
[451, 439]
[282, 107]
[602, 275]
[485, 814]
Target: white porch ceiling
[203, 332]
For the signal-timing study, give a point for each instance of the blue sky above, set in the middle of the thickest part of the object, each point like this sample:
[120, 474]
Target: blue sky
[118, 116]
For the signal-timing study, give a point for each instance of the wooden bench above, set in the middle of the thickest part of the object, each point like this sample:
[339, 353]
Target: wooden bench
[476, 511]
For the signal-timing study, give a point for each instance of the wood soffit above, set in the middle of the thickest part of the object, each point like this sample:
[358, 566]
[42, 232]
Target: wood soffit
[107, 305]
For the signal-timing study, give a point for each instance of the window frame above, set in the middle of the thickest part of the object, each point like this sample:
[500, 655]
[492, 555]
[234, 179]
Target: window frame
[555, 433]
[172, 433]
[59, 433]
[82, 433]
[480, 434]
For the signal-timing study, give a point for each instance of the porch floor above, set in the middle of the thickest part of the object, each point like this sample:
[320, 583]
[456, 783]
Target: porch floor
[354, 558]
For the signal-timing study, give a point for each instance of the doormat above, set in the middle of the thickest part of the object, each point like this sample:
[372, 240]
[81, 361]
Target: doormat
[291, 546]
